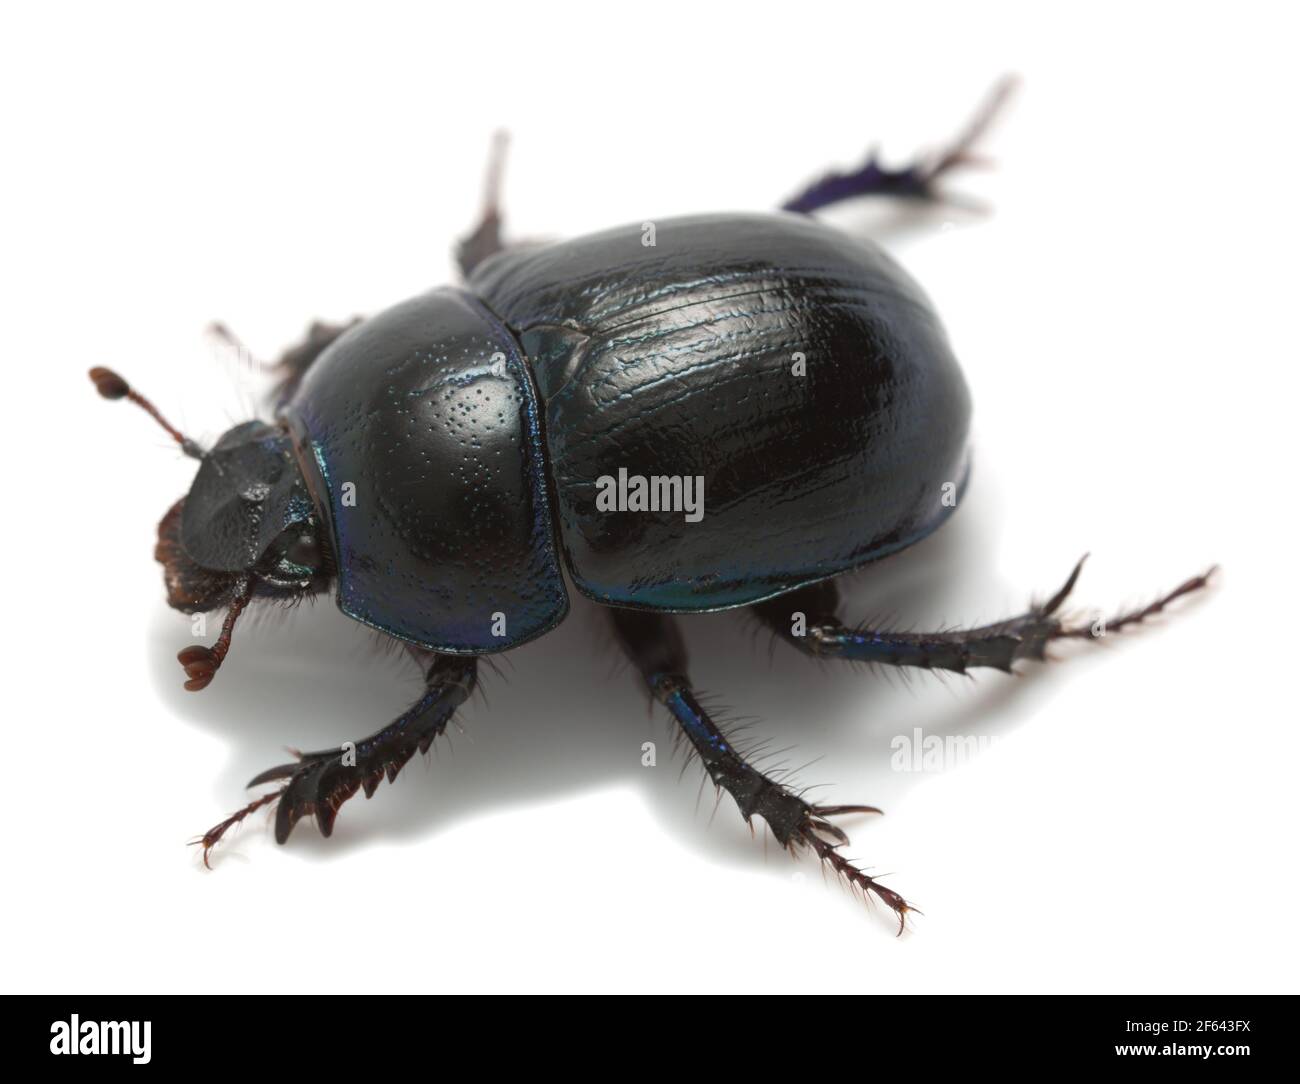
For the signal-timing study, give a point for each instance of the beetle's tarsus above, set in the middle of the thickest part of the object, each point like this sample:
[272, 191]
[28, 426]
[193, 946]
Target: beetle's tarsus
[857, 879]
[1136, 617]
[319, 783]
[213, 835]
[959, 153]
[918, 180]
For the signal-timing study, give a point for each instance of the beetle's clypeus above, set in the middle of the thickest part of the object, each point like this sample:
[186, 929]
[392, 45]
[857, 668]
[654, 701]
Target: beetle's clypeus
[440, 466]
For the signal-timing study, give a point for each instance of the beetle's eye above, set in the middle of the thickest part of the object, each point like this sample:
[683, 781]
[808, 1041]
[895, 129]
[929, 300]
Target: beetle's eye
[304, 551]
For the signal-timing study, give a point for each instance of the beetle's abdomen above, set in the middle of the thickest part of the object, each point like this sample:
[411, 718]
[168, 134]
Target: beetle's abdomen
[798, 372]
[420, 435]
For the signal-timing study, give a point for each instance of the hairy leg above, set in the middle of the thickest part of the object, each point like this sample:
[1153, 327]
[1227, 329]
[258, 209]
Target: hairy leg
[321, 782]
[654, 645]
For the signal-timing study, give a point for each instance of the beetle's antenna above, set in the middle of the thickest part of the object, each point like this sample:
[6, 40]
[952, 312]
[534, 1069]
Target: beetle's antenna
[201, 663]
[112, 386]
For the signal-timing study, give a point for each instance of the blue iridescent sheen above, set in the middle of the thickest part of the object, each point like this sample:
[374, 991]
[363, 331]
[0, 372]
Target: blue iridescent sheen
[695, 723]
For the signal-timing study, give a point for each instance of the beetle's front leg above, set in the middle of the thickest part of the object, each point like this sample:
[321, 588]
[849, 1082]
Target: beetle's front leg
[654, 644]
[321, 782]
[293, 363]
[807, 619]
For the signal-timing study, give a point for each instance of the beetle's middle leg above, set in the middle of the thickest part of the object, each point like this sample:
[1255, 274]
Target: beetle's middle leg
[321, 782]
[654, 644]
[807, 619]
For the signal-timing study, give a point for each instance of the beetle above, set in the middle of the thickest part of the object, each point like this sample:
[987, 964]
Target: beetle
[443, 465]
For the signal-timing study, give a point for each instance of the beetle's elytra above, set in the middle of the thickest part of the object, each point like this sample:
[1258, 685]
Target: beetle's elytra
[681, 416]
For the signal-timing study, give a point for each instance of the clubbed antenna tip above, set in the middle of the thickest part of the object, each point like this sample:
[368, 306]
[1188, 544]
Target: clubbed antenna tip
[112, 386]
[109, 384]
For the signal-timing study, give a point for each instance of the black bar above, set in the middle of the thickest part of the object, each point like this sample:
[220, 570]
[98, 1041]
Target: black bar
[338, 1033]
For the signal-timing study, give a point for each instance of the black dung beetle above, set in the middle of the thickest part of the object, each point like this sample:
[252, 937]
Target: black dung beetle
[685, 416]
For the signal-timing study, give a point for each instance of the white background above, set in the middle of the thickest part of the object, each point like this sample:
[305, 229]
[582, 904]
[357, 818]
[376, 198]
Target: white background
[1126, 322]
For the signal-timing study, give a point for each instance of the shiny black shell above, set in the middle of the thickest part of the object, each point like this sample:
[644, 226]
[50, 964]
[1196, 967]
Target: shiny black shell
[419, 434]
[679, 358]
[796, 369]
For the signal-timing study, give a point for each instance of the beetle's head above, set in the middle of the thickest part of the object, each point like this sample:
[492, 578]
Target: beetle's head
[247, 528]
[247, 515]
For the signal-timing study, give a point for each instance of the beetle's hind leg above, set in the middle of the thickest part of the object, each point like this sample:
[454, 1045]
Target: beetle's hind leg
[319, 783]
[916, 181]
[807, 619]
[654, 644]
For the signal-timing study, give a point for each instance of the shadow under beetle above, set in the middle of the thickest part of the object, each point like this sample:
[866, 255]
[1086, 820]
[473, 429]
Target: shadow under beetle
[438, 466]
